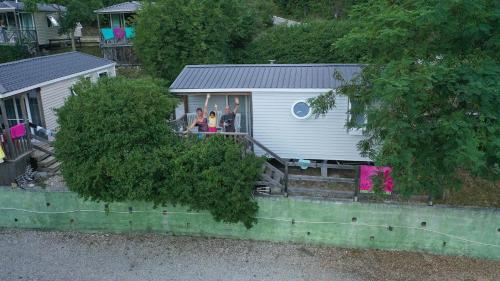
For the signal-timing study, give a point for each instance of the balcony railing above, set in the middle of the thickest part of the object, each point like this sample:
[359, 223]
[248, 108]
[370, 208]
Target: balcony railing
[15, 147]
[18, 36]
[117, 36]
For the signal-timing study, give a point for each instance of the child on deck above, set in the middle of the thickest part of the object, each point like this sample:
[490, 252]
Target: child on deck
[212, 121]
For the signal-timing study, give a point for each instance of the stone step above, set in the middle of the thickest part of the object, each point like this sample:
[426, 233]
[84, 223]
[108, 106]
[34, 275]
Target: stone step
[47, 162]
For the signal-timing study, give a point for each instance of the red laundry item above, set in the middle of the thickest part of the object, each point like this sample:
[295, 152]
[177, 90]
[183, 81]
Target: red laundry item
[366, 174]
[17, 131]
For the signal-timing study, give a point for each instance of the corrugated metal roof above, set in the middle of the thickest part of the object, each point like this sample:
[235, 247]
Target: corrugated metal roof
[269, 76]
[132, 6]
[5, 6]
[29, 72]
[12, 5]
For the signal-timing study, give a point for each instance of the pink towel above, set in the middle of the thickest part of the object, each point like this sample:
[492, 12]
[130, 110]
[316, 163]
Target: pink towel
[17, 131]
[119, 32]
[366, 174]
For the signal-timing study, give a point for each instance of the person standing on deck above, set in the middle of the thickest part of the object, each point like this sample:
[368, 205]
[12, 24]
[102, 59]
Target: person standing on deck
[227, 120]
[201, 118]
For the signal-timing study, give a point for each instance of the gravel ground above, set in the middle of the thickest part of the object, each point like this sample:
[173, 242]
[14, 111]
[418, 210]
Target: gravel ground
[34, 255]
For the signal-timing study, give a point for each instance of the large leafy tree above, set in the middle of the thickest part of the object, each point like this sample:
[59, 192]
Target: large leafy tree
[304, 43]
[430, 91]
[319, 9]
[173, 33]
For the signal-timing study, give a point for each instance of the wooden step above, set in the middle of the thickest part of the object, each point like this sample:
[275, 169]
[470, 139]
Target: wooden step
[47, 162]
[39, 155]
[320, 193]
[50, 169]
[321, 179]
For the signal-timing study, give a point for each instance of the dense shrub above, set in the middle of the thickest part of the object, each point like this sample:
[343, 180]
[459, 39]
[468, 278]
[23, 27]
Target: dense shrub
[217, 175]
[113, 140]
[115, 144]
[305, 43]
[12, 53]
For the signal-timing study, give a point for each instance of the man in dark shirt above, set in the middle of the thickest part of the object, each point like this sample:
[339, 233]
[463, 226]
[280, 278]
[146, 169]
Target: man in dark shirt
[227, 120]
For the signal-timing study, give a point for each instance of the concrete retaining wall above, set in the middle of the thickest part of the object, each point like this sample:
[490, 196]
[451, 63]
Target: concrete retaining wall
[441, 230]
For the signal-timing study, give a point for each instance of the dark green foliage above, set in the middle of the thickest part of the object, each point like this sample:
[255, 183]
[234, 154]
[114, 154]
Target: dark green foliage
[218, 176]
[115, 144]
[173, 33]
[12, 53]
[113, 140]
[431, 91]
[306, 43]
[315, 9]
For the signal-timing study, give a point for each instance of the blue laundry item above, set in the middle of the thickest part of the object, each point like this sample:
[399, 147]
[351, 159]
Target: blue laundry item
[107, 33]
[129, 32]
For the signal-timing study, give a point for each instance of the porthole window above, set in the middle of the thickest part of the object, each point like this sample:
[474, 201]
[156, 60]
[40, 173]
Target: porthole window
[301, 110]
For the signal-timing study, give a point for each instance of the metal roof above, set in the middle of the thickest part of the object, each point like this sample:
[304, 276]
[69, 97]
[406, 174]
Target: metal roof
[269, 76]
[5, 6]
[22, 74]
[125, 7]
[19, 6]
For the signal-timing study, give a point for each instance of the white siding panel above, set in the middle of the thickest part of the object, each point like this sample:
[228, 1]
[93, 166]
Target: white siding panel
[321, 138]
[55, 95]
[44, 32]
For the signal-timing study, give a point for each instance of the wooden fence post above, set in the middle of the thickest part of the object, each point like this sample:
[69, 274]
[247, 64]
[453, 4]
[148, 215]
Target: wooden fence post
[356, 184]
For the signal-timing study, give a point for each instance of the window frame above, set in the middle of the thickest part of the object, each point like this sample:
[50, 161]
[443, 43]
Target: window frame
[301, 117]
[102, 72]
[355, 131]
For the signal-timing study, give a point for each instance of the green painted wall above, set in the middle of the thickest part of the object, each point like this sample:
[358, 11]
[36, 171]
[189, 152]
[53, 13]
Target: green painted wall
[451, 231]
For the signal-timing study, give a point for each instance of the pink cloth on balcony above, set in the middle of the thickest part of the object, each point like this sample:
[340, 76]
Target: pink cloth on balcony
[366, 174]
[17, 131]
[119, 32]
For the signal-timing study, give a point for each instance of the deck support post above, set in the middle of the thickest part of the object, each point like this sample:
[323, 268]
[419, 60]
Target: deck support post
[324, 168]
[286, 179]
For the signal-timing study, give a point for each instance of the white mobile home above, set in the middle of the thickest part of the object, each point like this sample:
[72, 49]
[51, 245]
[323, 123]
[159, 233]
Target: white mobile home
[30, 90]
[274, 108]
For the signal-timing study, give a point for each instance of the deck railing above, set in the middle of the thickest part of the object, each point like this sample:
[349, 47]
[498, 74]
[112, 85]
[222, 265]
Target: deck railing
[109, 37]
[15, 148]
[18, 36]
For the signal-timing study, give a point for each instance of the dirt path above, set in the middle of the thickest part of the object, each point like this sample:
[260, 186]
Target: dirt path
[34, 255]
